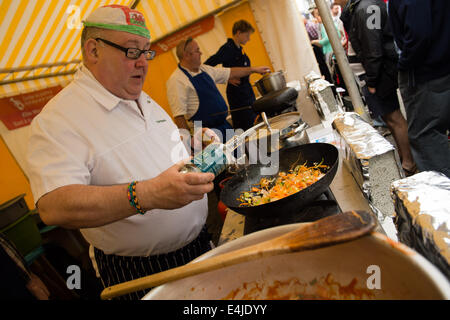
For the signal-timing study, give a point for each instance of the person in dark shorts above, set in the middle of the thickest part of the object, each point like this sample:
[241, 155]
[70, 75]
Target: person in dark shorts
[374, 46]
[422, 31]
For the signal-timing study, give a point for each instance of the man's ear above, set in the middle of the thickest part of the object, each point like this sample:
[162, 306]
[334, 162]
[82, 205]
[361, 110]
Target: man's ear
[90, 49]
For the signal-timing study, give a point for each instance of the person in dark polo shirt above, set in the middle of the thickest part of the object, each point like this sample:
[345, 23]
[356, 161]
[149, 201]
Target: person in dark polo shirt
[239, 92]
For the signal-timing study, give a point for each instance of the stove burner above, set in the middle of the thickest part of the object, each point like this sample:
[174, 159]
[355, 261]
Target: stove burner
[325, 205]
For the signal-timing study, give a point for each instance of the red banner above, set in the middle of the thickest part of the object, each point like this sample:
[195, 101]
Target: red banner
[193, 31]
[18, 111]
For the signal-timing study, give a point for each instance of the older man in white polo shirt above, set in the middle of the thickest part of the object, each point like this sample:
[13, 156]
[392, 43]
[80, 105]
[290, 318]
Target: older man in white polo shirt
[104, 158]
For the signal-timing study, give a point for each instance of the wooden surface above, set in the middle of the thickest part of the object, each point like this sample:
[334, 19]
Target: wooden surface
[346, 191]
[233, 227]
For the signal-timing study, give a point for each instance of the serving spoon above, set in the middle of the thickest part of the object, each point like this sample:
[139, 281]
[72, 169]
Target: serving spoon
[334, 229]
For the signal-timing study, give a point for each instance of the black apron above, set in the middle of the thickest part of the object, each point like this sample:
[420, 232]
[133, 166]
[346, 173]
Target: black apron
[114, 269]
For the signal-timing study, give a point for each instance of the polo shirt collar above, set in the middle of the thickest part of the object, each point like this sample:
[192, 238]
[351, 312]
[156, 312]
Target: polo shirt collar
[233, 44]
[105, 98]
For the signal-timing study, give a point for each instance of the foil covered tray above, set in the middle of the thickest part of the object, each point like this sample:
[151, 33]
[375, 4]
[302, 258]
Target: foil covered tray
[371, 160]
[323, 97]
[422, 205]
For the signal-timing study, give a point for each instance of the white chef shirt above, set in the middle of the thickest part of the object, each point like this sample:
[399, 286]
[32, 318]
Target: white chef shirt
[86, 135]
[181, 94]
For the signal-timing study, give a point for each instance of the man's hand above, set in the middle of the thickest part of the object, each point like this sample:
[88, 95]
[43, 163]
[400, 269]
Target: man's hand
[315, 43]
[372, 90]
[260, 70]
[239, 72]
[203, 138]
[234, 81]
[173, 189]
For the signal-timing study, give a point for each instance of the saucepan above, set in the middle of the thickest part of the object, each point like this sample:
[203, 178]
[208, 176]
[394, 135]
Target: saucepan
[371, 267]
[288, 129]
[271, 82]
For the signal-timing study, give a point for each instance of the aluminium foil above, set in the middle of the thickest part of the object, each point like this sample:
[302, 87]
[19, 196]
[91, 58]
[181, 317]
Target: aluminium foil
[322, 95]
[371, 160]
[422, 205]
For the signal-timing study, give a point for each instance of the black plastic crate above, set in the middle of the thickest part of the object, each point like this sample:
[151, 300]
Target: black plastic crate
[13, 210]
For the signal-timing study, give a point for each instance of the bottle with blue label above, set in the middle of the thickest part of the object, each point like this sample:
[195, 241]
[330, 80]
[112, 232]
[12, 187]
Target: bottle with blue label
[214, 158]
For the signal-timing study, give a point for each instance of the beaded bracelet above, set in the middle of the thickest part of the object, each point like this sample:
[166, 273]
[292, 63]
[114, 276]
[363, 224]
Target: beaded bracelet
[132, 197]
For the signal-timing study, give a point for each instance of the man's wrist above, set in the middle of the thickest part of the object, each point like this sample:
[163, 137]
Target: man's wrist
[142, 196]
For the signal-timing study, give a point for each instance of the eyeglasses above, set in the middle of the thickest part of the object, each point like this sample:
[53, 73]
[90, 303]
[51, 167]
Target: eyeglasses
[132, 53]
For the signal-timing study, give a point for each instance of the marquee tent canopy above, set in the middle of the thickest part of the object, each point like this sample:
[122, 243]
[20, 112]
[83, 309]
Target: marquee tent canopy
[40, 39]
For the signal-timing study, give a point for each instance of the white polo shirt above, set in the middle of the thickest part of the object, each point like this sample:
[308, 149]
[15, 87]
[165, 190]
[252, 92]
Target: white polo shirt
[86, 135]
[181, 94]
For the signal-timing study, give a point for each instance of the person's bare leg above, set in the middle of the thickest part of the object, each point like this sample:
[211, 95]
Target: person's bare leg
[399, 129]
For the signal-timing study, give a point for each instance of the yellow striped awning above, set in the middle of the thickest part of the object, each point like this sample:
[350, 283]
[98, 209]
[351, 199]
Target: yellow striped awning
[43, 32]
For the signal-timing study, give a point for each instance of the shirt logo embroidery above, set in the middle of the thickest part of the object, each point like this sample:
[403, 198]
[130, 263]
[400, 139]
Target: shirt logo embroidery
[160, 121]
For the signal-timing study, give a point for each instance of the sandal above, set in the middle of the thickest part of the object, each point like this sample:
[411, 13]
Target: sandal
[411, 171]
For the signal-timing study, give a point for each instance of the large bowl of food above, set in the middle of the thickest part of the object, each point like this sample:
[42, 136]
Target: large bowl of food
[371, 267]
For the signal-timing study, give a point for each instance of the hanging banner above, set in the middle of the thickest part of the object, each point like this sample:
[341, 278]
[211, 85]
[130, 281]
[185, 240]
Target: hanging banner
[193, 31]
[18, 111]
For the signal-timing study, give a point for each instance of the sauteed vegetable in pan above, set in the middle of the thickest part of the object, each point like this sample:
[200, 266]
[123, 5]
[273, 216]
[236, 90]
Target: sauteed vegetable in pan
[322, 157]
[285, 184]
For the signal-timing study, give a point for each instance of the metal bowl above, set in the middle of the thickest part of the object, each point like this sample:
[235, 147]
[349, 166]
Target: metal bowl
[271, 82]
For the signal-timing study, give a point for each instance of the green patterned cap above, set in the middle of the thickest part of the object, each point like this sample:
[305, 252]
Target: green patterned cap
[120, 18]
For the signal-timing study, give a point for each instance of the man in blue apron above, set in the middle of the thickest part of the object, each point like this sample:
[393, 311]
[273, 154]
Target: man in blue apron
[193, 94]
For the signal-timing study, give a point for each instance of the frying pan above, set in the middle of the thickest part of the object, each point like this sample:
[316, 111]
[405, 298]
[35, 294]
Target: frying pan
[246, 178]
[271, 102]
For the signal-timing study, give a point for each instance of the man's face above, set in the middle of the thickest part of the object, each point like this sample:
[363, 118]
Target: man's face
[335, 10]
[122, 76]
[243, 37]
[192, 54]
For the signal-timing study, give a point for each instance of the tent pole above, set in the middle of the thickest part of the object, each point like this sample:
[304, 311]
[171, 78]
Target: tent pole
[134, 4]
[42, 76]
[341, 57]
[39, 66]
[9, 73]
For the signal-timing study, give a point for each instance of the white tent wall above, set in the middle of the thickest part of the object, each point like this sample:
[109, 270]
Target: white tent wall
[288, 46]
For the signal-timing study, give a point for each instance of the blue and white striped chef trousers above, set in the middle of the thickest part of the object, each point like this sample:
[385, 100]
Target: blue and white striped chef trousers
[116, 269]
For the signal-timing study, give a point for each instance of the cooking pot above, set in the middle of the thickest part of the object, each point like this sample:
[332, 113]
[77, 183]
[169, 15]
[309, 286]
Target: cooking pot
[288, 128]
[371, 267]
[285, 123]
[271, 82]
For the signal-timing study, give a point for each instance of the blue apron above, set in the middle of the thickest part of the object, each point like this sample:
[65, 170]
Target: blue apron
[210, 102]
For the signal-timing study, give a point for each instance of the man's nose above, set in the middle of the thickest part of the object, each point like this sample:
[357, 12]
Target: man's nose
[141, 61]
